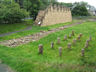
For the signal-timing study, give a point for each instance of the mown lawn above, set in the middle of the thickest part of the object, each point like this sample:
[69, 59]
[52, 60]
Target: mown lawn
[35, 29]
[25, 58]
[5, 28]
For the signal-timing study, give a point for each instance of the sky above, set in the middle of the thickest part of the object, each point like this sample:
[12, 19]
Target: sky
[91, 2]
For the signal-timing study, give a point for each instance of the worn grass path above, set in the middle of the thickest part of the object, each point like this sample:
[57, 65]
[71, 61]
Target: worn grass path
[9, 33]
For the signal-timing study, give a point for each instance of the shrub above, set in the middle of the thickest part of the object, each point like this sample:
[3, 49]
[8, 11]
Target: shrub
[80, 10]
[11, 13]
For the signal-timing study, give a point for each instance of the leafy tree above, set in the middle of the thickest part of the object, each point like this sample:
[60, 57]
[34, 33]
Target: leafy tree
[80, 9]
[10, 12]
[20, 2]
[33, 6]
[66, 4]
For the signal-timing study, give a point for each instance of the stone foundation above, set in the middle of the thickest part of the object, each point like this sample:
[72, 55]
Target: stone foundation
[53, 15]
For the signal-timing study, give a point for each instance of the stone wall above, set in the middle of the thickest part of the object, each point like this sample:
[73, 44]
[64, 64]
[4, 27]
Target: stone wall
[53, 15]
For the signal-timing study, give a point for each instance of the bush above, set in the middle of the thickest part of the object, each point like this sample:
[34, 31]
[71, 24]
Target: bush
[11, 13]
[80, 9]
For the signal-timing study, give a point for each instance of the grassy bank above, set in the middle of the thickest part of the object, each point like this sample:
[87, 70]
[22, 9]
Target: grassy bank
[25, 58]
[5, 28]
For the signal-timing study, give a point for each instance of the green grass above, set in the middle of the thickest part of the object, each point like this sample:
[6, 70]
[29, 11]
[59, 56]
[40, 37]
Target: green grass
[34, 29]
[5, 28]
[25, 58]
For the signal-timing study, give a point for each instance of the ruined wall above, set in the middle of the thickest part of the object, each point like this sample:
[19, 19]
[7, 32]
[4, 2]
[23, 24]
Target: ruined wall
[54, 15]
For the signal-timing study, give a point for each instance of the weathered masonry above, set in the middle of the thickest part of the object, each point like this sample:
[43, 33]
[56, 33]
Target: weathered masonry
[53, 14]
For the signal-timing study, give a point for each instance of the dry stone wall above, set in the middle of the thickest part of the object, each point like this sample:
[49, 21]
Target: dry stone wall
[53, 15]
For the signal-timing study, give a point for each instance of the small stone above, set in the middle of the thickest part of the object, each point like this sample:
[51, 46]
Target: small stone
[87, 41]
[82, 52]
[70, 35]
[33, 40]
[61, 28]
[40, 49]
[74, 41]
[60, 51]
[81, 35]
[73, 33]
[90, 38]
[14, 40]
[42, 31]
[69, 46]
[58, 40]
[65, 37]
[78, 38]
[86, 45]
[52, 45]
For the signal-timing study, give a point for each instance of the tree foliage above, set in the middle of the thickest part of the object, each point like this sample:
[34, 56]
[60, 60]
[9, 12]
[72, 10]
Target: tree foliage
[80, 9]
[20, 2]
[10, 12]
[13, 10]
[33, 6]
[66, 4]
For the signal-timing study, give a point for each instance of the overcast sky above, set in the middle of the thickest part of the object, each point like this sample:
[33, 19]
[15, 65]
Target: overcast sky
[91, 2]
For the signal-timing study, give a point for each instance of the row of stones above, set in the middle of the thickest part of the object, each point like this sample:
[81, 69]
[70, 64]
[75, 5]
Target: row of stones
[34, 37]
[40, 47]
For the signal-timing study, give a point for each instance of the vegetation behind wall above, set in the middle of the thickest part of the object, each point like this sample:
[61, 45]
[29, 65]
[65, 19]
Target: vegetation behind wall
[80, 9]
[10, 12]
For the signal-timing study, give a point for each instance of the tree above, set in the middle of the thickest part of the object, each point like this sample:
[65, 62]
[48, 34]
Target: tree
[66, 4]
[33, 6]
[11, 12]
[80, 9]
[20, 2]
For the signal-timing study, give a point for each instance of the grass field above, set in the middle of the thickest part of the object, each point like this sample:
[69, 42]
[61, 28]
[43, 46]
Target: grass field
[35, 29]
[5, 28]
[25, 58]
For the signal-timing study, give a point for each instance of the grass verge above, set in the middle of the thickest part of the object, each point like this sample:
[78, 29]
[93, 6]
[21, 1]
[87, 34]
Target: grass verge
[25, 58]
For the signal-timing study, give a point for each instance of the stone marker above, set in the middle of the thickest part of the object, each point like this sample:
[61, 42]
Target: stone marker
[87, 41]
[40, 48]
[80, 34]
[82, 52]
[78, 38]
[60, 51]
[86, 45]
[69, 46]
[70, 35]
[74, 41]
[52, 45]
[58, 40]
[65, 37]
[90, 38]
[73, 33]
